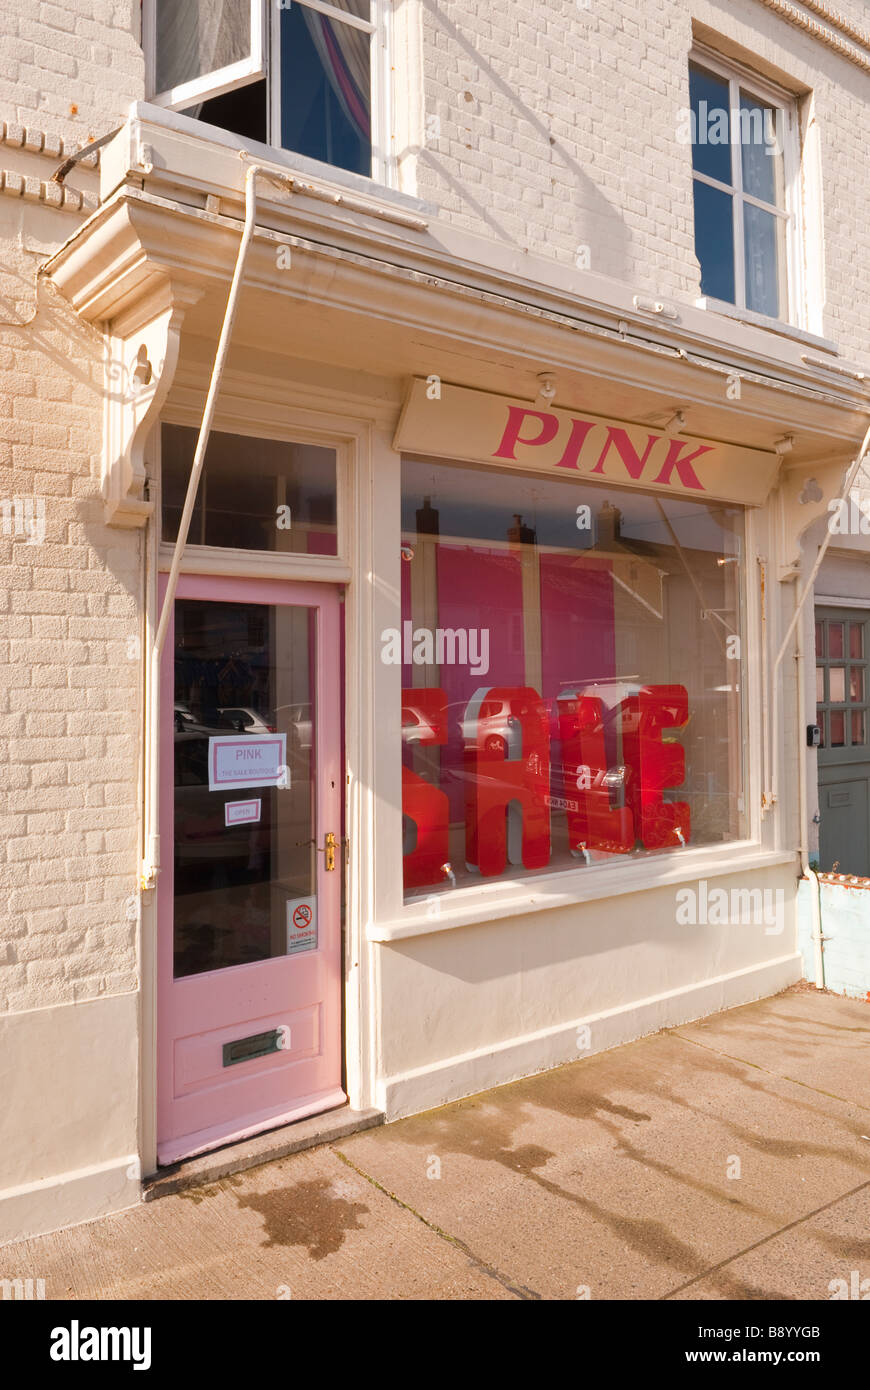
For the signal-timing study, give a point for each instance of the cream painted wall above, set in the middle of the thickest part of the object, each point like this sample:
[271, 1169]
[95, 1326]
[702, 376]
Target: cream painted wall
[69, 1082]
[466, 1009]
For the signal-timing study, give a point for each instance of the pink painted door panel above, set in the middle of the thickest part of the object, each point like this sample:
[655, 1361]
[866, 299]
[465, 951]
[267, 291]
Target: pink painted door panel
[249, 990]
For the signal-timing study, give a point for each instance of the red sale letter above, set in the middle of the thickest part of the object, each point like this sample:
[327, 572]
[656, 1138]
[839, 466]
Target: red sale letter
[594, 824]
[507, 767]
[424, 720]
[656, 764]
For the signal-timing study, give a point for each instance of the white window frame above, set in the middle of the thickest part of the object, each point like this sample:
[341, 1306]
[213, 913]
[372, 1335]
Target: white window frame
[740, 78]
[265, 61]
[210, 84]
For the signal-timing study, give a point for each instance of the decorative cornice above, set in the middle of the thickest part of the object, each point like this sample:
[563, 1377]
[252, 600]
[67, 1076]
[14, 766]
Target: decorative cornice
[837, 21]
[33, 190]
[789, 12]
[44, 142]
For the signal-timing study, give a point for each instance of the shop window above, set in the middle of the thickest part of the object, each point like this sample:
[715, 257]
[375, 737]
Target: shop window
[299, 76]
[254, 494]
[571, 675]
[743, 163]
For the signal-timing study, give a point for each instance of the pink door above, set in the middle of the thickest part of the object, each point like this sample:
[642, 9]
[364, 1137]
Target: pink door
[249, 897]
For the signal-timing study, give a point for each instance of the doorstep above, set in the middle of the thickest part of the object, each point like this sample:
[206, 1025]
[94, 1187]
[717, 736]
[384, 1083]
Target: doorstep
[263, 1148]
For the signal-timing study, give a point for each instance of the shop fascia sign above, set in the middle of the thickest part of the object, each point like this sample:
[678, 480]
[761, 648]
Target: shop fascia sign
[478, 427]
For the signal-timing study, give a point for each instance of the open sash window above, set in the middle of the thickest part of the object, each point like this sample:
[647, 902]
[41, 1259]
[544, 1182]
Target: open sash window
[200, 49]
[300, 76]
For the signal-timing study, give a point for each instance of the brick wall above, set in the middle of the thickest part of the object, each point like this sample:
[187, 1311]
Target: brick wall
[84, 54]
[556, 131]
[69, 693]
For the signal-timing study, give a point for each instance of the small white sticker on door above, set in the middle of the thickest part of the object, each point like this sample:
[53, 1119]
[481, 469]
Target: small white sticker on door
[301, 925]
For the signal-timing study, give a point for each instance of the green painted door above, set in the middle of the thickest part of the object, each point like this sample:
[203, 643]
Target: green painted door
[842, 703]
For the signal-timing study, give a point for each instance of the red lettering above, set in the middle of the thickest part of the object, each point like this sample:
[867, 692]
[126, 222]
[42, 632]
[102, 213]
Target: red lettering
[626, 450]
[594, 825]
[579, 431]
[689, 478]
[507, 764]
[517, 415]
[655, 764]
[424, 720]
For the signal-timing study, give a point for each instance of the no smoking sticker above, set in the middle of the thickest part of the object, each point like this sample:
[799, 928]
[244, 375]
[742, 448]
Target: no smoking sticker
[301, 925]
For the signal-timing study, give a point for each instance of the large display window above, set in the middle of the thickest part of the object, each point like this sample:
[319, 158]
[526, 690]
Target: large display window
[571, 674]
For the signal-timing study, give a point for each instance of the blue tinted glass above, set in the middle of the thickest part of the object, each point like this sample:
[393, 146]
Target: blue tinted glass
[711, 132]
[326, 89]
[714, 241]
[762, 278]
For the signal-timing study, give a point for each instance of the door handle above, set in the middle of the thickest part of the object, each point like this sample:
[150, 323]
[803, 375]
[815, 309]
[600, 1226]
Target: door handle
[329, 851]
[330, 844]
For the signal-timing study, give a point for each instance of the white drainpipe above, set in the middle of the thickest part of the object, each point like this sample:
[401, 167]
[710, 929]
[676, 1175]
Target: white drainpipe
[151, 860]
[808, 872]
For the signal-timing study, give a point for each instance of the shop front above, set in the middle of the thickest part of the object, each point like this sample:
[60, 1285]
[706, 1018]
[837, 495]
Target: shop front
[460, 758]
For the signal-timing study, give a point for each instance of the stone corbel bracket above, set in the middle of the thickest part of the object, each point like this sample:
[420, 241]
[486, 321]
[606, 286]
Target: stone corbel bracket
[805, 495]
[142, 349]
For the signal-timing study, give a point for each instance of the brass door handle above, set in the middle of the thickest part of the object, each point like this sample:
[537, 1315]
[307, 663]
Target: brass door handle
[330, 844]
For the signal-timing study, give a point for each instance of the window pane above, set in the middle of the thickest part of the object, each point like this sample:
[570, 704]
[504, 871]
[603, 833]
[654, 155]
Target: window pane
[762, 234]
[235, 874]
[196, 37]
[714, 241]
[242, 110]
[542, 665]
[326, 87]
[837, 684]
[820, 683]
[761, 159]
[835, 639]
[856, 639]
[820, 639]
[858, 735]
[711, 124]
[254, 494]
[838, 728]
[856, 684]
[820, 720]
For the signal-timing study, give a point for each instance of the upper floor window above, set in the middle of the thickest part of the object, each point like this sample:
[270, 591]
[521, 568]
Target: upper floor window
[303, 75]
[744, 174]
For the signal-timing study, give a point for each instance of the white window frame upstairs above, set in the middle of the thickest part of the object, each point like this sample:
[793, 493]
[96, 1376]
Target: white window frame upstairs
[211, 84]
[740, 78]
[265, 61]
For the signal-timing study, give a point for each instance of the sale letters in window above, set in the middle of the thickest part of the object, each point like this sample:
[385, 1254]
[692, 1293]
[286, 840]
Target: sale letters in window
[571, 675]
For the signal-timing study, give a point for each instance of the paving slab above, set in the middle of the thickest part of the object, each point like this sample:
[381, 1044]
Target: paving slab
[304, 1227]
[825, 1256]
[821, 1040]
[627, 1173]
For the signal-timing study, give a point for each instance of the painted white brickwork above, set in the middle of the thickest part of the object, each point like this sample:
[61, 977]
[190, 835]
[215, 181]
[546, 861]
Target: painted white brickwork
[69, 696]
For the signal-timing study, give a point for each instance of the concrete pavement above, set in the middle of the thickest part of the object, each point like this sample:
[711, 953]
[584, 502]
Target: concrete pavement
[729, 1158]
